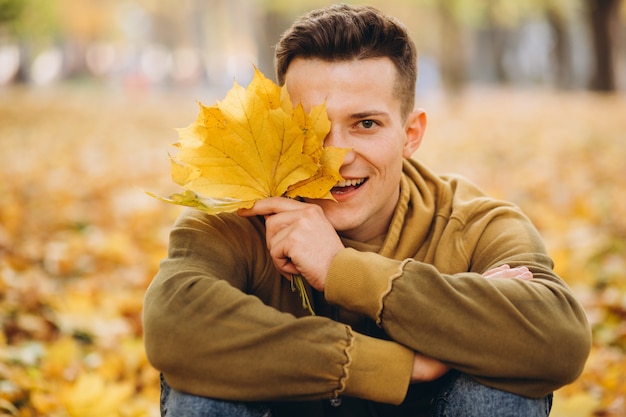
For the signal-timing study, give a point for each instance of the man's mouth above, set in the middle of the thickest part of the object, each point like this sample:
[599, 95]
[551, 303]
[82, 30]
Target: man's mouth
[346, 186]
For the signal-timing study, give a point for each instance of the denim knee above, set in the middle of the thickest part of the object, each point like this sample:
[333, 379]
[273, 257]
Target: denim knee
[464, 397]
[178, 404]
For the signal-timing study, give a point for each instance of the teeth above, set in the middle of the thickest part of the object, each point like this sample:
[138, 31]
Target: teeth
[350, 183]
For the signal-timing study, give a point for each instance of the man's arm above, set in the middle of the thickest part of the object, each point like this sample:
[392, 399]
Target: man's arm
[210, 338]
[428, 369]
[301, 240]
[528, 337]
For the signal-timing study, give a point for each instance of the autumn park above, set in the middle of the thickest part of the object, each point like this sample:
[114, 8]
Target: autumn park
[90, 98]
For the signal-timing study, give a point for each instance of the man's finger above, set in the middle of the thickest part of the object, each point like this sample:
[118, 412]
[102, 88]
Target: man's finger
[520, 272]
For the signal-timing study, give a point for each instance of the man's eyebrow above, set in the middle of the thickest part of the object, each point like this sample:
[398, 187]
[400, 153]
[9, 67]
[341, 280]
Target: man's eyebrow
[368, 113]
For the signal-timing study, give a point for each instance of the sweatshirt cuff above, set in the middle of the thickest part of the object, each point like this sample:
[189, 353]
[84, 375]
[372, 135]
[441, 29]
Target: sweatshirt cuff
[359, 281]
[378, 370]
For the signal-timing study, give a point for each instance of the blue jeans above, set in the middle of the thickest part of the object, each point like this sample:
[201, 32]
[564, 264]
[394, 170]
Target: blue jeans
[178, 404]
[460, 397]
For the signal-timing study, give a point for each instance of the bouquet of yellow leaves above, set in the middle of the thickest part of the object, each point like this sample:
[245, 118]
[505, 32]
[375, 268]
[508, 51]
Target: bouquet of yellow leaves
[252, 145]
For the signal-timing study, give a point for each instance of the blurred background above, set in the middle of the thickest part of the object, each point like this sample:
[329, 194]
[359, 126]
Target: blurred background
[567, 44]
[526, 98]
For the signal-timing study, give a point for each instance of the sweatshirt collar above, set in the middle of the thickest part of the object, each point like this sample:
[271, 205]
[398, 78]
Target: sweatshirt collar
[412, 216]
[414, 213]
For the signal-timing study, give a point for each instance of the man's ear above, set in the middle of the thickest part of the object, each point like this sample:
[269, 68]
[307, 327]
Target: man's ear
[415, 127]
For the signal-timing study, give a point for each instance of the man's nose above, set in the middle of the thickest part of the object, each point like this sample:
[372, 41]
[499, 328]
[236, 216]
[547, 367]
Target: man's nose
[335, 138]
[339, 140]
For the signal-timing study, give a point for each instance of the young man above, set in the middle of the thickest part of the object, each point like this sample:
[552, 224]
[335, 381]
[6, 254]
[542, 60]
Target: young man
[431, 298]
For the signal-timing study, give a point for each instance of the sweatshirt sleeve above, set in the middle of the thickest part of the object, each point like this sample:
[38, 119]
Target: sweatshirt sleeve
[525, 337]
[210, 338]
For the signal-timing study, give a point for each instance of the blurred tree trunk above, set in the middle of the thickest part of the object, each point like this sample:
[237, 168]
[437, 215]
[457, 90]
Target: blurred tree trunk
[498, 37]
[452, 59]
[561, 54]
[603, 15]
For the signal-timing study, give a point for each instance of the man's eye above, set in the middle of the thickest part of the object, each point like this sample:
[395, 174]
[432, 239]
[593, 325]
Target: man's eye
[368, 124]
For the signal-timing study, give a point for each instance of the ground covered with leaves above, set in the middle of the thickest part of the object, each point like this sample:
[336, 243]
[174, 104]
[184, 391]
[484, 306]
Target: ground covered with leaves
[80, 240]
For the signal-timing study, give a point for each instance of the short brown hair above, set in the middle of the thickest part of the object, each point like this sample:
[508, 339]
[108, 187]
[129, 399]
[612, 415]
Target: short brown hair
[347, 32]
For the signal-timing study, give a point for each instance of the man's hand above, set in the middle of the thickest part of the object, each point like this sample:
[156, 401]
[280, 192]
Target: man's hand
[299, 237]
[505, 271]
[428, 369]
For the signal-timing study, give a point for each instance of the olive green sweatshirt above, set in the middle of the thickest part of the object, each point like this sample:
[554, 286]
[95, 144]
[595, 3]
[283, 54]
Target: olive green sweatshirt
[220, 321]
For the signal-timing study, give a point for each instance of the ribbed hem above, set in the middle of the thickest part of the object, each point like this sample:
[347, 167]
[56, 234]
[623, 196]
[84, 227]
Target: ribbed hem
[378, 370]
[359, 281]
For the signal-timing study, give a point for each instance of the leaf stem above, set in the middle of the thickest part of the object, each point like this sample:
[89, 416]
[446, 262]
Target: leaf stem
[298, 284]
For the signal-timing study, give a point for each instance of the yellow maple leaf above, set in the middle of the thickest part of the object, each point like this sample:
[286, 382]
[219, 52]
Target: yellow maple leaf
[252, 145]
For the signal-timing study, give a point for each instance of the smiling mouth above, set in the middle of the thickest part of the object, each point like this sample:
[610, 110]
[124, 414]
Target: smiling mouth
[346, 186]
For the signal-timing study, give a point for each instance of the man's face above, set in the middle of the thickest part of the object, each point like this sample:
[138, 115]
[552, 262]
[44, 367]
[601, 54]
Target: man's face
[365, 116]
